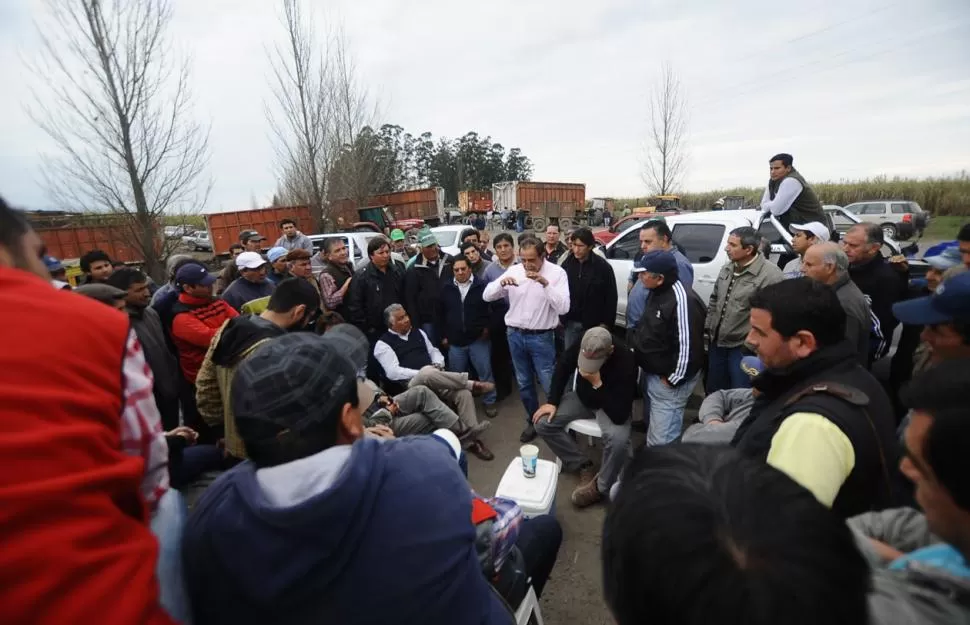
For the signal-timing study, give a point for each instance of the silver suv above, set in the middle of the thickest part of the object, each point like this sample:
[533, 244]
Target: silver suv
[899, 219]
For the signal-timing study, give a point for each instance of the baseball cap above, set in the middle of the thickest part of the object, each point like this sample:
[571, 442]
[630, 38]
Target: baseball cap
[194, 274]
[276, 253]
[104, 293]
[52, 264]
[595, 348]
[250, 235]
[250, 260]
[426, 239]
[351, 342]
[397, 234]
[657, 261]
[817, 228]
[950, 302]
[949, 257]
[752, 366]
[290, 385]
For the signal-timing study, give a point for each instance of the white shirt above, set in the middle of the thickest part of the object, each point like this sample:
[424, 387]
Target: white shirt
[392, 366]
[464, 288]
[531, 305]
[788, 190]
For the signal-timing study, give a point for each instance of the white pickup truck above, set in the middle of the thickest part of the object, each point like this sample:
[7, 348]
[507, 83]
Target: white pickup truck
[702, 237]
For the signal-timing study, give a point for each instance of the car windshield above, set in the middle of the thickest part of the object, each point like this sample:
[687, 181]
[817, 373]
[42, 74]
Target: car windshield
[446, 238]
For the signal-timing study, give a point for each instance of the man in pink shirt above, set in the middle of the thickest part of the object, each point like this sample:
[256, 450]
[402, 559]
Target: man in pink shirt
[538, 294]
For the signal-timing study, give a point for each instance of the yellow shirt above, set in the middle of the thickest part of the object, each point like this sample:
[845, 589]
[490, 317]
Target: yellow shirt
[814, 452]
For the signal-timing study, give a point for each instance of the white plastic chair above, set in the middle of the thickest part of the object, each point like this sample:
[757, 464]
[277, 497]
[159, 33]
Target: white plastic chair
[588, 427]
[528, 608]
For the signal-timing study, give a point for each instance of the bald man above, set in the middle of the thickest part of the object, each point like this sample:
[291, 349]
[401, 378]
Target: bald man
[828, 264]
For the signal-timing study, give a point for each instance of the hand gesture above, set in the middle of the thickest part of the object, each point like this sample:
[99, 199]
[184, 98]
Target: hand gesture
[592, 378]
[185, 432]
[510, 281]
[346, 286]
[535, 275]
[381, 431]
[545, 410]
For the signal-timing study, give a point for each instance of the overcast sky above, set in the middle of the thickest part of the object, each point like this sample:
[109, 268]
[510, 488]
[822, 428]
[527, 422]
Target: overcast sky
[852, 88]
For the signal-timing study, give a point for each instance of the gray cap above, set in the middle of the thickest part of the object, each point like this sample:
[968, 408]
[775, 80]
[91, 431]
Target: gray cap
[596, 347]
[104, 293]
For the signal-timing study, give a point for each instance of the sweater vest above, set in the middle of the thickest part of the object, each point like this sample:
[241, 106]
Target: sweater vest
[412, 353]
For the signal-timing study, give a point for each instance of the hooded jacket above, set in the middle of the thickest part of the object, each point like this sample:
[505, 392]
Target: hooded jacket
[242, 291]
[232, 344]
[351, 535]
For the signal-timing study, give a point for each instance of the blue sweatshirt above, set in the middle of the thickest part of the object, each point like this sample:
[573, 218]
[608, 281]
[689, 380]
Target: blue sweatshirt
[379, 532]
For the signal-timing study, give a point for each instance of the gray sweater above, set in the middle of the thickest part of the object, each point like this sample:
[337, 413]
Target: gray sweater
[721, 414]
[858, 324]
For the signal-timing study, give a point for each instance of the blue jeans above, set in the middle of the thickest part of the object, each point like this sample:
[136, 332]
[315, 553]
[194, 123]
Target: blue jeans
[167, 524]
[667, 405]
[572, 333]
[480, 355]
[532, 355]
[432, 332]
[724, 369]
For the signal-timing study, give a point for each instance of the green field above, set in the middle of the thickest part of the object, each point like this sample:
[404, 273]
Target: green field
[945, 227]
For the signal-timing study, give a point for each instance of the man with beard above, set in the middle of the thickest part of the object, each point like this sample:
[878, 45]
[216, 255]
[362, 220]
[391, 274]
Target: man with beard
[292, 305]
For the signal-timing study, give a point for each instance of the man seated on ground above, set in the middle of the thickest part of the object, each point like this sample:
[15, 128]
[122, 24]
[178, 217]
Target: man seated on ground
[606, 377]
[821, 416]
[722, 412]
[668, 345]
[920, 561]
[409, 359]
[290, 308]
[322, 518]
[96, 266]
[803, 237]
[828, 264]
[699, 535]
[250, 292]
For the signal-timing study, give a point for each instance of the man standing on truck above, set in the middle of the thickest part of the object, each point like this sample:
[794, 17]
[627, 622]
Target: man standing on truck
[292, 238]
[788, 197]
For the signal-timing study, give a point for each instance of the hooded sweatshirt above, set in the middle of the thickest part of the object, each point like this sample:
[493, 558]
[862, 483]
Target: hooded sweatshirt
[376, 532]
[242, 291]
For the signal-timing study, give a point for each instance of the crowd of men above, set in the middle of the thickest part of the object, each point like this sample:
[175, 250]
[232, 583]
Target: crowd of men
[339, 403]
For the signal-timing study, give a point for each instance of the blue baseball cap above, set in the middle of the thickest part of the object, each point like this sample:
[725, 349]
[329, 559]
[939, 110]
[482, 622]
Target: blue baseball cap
[53, 264]
[949, 257]
[194, 274]
[752, 366]
[950, 302]
[657, 261]
[276, 253]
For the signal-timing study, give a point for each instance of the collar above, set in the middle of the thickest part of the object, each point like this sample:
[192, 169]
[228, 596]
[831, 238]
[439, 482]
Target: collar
[403, 336]
[134, 311]
[866, 265]
[188, 300]
[841, 281]
[466, 285]
[752, 266]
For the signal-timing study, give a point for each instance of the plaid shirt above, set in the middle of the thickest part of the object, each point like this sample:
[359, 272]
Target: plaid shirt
[141, 425]
[505, 529]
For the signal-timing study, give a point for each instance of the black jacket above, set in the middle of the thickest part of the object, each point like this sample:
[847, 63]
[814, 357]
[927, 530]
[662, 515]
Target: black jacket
[370, 293]
[669, 339]
[883, 285]
[556, 253]
[856, 404]
[619, 376]
[592, 291]
[422, 287]
[462, 323]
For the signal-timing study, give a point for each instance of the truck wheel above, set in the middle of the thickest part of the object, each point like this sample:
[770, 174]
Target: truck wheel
[538, 224]
[889, 230]
[565, 224]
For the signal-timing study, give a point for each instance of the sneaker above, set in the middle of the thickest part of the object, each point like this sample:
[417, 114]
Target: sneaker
[528, 434]
[587, 494]
[482, 388]
[491, 412]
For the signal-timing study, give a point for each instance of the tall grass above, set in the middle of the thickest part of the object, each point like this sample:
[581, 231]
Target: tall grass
[939, 196]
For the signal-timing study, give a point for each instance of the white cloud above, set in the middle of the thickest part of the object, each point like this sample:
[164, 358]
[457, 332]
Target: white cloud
[852, 88]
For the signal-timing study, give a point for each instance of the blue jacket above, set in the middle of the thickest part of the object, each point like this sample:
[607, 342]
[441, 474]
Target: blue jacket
[389, 540]
[460, 322]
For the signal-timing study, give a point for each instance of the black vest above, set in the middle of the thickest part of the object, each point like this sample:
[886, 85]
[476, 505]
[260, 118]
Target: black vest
[806, 207]
[340, 275]
[831, 383]
[412, 353]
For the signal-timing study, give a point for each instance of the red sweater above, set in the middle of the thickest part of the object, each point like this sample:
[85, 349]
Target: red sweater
[195, 323]
[77, 547]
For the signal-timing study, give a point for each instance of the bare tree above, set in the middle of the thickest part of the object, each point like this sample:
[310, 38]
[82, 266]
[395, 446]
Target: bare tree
[119, 110]
[666, 153]
[302, 123]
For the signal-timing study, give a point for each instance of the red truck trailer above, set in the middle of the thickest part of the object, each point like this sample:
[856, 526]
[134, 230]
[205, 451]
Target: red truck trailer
[224, 228]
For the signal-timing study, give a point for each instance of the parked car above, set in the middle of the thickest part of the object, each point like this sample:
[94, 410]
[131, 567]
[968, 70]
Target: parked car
[900, 219]
[356, 242]
[605, 236]
[198, 241]
[448, 238]
[177, 232]
[702, 237]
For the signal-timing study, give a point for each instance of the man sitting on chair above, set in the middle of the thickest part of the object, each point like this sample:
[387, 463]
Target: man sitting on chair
[409, 359]
[605, 383]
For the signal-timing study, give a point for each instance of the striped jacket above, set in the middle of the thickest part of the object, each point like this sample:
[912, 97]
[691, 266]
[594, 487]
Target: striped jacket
[669, 340]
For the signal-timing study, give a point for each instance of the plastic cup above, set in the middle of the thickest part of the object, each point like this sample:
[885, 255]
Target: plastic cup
[530, 457]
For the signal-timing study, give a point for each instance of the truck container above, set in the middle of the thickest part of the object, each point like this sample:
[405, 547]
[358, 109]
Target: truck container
[474, 201]
[544, 202]
[224, 228]
[70, 235]
[424, 204]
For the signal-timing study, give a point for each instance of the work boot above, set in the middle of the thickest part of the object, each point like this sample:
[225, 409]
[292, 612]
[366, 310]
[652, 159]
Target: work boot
[587, 494]
[528, 434]
[481, 388]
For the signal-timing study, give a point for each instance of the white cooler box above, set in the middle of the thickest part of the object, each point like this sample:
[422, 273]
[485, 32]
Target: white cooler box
[536, 495]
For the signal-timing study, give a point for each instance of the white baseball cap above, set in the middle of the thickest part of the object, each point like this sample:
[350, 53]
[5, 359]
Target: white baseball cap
[820, 230]
[250, 260]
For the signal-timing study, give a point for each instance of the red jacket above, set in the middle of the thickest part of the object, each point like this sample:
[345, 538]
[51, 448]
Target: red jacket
[195, 323]
[77, 546]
